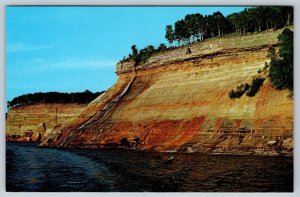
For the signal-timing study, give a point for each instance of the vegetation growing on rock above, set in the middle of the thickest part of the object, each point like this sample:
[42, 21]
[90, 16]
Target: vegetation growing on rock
[240, 90]
[281, 71]
[281, 65]
[255, 85]
[141, 56]
[53, 97]
[197, 27]
[250, 90]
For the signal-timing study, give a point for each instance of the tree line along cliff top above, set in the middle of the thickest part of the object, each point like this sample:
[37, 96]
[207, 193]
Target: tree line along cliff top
[53, 97]
[195, 35]
[254, 26]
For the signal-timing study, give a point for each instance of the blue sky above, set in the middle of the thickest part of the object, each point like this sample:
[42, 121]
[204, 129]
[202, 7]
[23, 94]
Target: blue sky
[71, 49]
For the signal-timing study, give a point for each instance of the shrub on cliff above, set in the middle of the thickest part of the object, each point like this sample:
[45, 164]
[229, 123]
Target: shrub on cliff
[240, 90]
[162, 47]
[141, 56]
[281, 68]
[250, 90]
[255, 85]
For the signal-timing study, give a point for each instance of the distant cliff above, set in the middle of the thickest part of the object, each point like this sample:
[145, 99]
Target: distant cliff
[178, 101]
[33, 122]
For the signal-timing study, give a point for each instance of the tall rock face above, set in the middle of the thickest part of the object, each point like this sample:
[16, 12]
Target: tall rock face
[33, 122]
[179, 102]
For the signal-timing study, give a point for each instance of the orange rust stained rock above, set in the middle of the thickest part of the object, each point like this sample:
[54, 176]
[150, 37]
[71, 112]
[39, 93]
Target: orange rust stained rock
[178, 103]
[32, 117]
[218, 123]
[190, 130]
[238, 123]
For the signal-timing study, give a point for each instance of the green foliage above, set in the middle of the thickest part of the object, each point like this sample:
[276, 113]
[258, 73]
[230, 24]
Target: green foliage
[145, 54]
[134, 53]
[275, 74]
[281, 69]
[196, 27]
[260, 18]
[220, 23]
[271, 53]
[281, 74]
[169, 34]
[255, 85]
[250, 90]
[286, 42]
[162, 47]
[141, 56]
[240, 90]
[181, 32]
[249, 20]
[234, 20]
[53, 97]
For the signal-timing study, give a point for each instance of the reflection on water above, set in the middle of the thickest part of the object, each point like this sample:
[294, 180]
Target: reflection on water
[29, 168]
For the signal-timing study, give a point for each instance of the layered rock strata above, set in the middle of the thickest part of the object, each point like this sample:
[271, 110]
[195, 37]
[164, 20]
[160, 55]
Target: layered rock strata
[33, 122]
[179, 102]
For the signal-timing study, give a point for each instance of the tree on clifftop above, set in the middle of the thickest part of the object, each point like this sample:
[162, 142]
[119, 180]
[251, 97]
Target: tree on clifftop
[181, 33]
[53, 97]
[285, 41]
[162, 47]
[281, 69]
[134, 51]
[219, 22]
[169, 34]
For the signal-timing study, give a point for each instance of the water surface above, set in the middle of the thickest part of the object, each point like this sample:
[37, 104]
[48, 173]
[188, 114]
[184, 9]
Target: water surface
[29, 168]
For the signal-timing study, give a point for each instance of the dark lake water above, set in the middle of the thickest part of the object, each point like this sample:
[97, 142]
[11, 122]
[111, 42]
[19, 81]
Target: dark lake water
[29, 168]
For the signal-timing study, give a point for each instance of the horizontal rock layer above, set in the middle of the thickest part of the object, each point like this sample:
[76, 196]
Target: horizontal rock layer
[179, 102]
[183, 105]
[29, 120]
[205, 48]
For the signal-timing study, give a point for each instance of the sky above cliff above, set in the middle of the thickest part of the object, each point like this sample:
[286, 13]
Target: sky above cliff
[71, 49]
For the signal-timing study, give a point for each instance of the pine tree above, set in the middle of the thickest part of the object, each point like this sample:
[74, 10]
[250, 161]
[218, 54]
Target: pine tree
[169, 34]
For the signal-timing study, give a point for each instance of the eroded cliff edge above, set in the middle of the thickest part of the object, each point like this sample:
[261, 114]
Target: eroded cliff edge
[179, 102]
[33, 122]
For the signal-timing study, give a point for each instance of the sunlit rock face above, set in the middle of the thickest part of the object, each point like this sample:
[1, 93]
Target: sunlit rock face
[33, 122]
[179, 102]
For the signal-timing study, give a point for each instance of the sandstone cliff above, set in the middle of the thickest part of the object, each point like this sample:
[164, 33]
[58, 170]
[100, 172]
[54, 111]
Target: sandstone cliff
[179, 102]
[29, 122]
